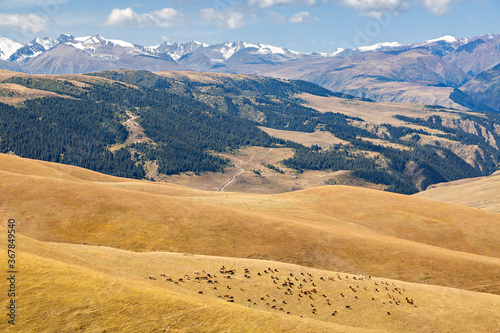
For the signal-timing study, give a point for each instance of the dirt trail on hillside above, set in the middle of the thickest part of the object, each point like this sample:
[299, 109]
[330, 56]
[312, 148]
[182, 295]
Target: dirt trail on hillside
[241, 169]
[136, 132]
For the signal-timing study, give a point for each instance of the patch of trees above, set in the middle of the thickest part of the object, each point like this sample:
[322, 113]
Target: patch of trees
[186, 130]
[274, 168]
[137, 77]
[67, 131]
[339, 158]
[400, 131]
[435, 164]
[54, 85]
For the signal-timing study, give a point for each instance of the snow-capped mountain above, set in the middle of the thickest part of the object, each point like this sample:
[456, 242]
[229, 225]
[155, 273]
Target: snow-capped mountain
[385, 71]
[37, 47]
[8, 47]
[175, 50]
[200, 55]
[379, 46]
[193, 54]
[96, 53]
[69, 54]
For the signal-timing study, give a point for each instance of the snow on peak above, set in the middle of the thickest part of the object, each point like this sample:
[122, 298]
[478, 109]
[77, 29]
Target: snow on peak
[337, 51]
[97, 39]
[447, 38]
[46, 42]
[229, 49]
[491, 36]
[82, 39]
[120, 42]
[378, 46]
[266, 49]
[8, 47]
[202, 44]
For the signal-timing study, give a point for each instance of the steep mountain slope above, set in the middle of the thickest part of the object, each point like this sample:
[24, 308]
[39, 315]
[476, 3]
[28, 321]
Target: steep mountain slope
[96, 53]
[477, 55]
[411, 76]
[36, 47]
[485, 87]
[7, 48]
[336, 228]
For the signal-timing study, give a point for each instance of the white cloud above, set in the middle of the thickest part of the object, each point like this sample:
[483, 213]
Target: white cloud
[277, 17]
[128, 17]
[166, 16]
[272, 3]
[303, 17]
[438, 7]
[31, 23]
[375, 8]
[227, 19]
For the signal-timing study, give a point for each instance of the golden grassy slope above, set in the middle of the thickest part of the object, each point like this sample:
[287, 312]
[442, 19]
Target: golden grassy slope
[14, 93]
[71, 287]
[373, 113]
[203, 76]
[336, 228]
[61, 291]
[483, 192]
[321, 138]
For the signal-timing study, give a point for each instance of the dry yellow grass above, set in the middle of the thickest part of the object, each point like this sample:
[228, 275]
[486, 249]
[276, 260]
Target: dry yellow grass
[203, 77]
[63, 290]
[373, 113]
[11, 93]
[321, 138]
[336, 227]
[482, 193]
[245, 160]
[71, 287]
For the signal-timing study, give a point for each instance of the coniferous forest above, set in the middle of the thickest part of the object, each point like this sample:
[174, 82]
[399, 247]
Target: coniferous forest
[189, 121]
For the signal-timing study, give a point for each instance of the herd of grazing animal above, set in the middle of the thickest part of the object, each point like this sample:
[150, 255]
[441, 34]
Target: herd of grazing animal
[295, 293]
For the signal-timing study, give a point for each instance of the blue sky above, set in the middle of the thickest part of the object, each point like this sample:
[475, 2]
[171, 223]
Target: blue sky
[301, 25]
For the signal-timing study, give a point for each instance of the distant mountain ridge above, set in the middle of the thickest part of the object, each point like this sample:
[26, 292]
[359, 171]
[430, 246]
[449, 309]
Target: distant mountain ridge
[427, 72]
[223, 53]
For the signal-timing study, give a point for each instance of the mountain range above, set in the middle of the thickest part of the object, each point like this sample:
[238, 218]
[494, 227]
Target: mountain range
[443, 71]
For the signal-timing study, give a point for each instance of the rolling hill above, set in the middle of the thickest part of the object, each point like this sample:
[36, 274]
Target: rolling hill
[337, 228]
[91, 256]
[480, 192]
